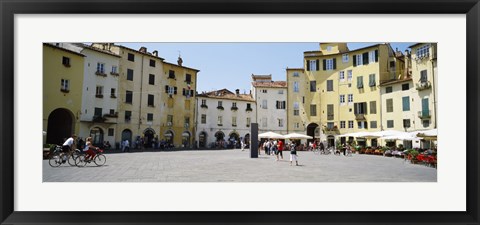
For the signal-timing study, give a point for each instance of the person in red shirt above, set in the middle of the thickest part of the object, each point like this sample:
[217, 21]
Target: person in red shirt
[280, 148]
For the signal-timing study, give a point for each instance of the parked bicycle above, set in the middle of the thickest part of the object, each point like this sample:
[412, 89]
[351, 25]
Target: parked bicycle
[59, 157]
[100, 159]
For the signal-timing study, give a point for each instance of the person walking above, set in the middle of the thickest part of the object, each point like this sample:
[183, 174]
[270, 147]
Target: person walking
[293, 154]
[280, 149]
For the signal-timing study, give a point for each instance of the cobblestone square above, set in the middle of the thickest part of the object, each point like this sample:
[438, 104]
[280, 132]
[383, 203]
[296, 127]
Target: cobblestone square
[237, 166]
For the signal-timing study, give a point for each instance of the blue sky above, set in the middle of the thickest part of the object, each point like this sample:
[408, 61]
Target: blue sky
[230, 65]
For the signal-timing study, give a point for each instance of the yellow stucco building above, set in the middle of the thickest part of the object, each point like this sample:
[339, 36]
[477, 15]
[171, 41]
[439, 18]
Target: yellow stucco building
[62, 92]
[342, 93]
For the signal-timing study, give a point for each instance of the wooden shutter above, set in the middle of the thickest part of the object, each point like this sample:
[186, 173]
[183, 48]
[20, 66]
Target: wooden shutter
[308, 65]
[318, 65]
[166, 88]
[365, 108]
[355, 108]
[324, 64]
[191, 93]
[334, 63]
[354, 60]
[174, 90]
[365, 58]
[376, 55]
[183, 92]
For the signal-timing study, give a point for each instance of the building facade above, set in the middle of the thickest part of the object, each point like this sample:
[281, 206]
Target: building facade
[296, 114]
[271, 98]
[63, 72]
[224, 118]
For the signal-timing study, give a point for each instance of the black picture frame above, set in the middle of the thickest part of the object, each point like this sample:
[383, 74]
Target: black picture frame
[471, 8]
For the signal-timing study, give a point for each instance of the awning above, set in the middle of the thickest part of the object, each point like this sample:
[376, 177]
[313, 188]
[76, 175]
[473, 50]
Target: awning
[185, 135]
[168, 135]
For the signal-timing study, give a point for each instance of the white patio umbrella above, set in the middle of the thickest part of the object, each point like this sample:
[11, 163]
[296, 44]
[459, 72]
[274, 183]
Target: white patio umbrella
[270, 135]
[407, 136]
[297, 136]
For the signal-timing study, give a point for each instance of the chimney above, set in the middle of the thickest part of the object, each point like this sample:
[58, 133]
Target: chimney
[180, 61]
[143, 50]
[155, 53]
[237, 91]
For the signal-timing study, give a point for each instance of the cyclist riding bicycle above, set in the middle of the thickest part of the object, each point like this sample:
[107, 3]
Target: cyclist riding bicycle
[89, 149]
[68, 144]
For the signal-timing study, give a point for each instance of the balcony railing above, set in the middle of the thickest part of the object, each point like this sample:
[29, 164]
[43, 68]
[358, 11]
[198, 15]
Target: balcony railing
[360, 117]
[330, 117]
[204, 106]
[334, 128]
[234, 108]
[424, 114]
[98, 119]
[220, 107]
[99, 73]
[114, 74]
[422, 85]
[111, 115]
[249, 109]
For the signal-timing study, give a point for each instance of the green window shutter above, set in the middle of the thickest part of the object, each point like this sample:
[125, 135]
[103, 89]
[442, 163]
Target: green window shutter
[334, 63]
[354, 60]
[360, 82]
[324, 64]
[365, 58]
[406, 103]
[425, 109]
[166, 88]
[318, 65]
[308, 65]
[376, 55]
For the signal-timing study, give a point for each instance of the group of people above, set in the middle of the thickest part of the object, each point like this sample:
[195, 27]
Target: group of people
[276, 147]
[89, 149]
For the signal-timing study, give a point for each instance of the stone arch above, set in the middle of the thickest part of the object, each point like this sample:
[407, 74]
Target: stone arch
[60, 126]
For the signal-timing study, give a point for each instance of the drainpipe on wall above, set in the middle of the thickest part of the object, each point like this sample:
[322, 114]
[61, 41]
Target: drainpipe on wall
[195, 115]
[141, 92]
[434, 97]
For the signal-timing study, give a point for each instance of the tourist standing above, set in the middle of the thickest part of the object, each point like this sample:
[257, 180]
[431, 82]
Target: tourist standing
[280, 149]
[293, 154]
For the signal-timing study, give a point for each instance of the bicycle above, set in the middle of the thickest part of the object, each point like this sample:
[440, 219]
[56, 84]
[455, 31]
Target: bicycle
[59, 157]
[100, 159]
[326, 151]
[316, 151]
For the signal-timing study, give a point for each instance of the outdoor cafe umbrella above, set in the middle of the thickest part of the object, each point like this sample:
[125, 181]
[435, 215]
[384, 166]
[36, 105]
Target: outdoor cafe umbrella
[428, 134]
[297, 136]
[271, 135]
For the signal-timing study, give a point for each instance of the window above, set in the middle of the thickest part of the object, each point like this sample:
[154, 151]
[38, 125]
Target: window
[360, 108]
[152, 63]
[65, 85]
[264, 122]
[128, 97]
[389, 123]
[149, 117]
[349, 75]
[188, 78]
[426, 123]
[234, 121]
[389, 89]
[330, 114]
[303, 99]
[406, 103]
[150, 100]
[342, 99]
[329, 85]
[371, 56]
[373, 107]
[112, 112]
[296, 109]
[171, 74]
[373, 124]
[329, 64]
[405, 87]
[130, 74]
[350, 124]
[342, 124]
[280, 92]
[329, 48]
[170, 119]
[345, 58]
[66, 61]
[341, 75]
[249, 106]
[280, 122]
[114, 69]
[296, 125]
[234, 104]
[220, 104]
[131, 57]
[312, 65]
[99, 92]
[110, 132]
[423, 76]
[423, 51]
[362, 124]
[313, 86]
[264, 91]
[101, 68]
[128, 116]
[249, 120]
[406, 123]
[295, 74]
[350, 99]
[360, 82]
[264, 104]
[151, 79]
[371, 80]
[357, 60]
[97, 112]
[186, 122]
[313, 110]
[390, 105]
[295, 86]
[204, 119]
[204, 101]
[280, 104]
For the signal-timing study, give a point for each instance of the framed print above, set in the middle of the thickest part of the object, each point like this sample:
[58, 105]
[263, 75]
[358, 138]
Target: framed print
[174, 168]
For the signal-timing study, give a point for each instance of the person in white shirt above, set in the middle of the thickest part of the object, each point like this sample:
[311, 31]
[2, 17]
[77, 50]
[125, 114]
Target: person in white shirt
[68, 144]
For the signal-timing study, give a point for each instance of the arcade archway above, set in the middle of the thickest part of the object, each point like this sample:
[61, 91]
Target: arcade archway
[60, 126]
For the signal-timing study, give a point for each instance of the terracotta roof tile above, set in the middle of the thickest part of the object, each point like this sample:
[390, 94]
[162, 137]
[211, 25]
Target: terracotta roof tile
[272, 84]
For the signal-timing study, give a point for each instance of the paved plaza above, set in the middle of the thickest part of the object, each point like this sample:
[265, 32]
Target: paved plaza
[237, 166]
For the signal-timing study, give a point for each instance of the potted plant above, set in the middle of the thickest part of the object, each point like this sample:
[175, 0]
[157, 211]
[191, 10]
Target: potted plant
[413, 156]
